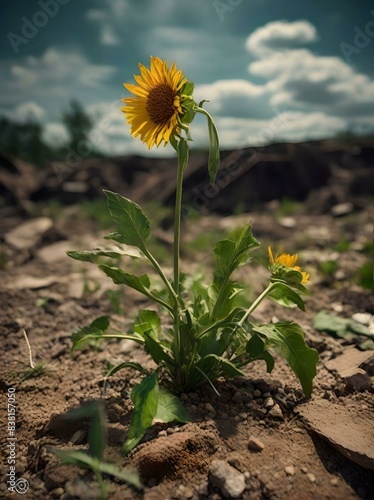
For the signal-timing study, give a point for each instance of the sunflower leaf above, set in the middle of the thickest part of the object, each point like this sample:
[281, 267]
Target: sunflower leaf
[133, 226]
[145, 399]
[287, 339]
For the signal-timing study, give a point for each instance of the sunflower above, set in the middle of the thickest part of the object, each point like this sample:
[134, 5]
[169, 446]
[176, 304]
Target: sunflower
[287, 260]
[155, 113]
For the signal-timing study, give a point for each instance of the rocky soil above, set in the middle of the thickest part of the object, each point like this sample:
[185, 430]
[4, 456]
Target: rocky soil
[260, 438]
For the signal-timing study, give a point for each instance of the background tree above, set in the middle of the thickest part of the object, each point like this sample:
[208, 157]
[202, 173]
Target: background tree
[78, 124]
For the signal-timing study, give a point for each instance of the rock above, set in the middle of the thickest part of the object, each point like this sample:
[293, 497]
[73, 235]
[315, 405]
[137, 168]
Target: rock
[342, 209]
[255, 444]
[347, 366]
[269, 403]
[357, 379]
[230, 481]
[33, 283]
[363, 318]
[311, 477]
[276, 412]
[349, 430]
[28, 234]
[289, 470]
[237, 397]
[54, 252]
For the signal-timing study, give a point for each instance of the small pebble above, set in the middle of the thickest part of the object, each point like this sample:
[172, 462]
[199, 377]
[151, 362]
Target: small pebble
[257, 393]
[311, 477]
[237, 397]
[255, 444]
[334, 481]
[289, 470]
[304, 469]
[210, 408]
[276, 412]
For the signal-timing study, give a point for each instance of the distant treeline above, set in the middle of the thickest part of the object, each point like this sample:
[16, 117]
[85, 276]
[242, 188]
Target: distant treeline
[25, 140]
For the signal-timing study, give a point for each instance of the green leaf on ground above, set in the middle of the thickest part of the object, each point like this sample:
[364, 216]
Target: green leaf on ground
[145, 399]
[347, 329]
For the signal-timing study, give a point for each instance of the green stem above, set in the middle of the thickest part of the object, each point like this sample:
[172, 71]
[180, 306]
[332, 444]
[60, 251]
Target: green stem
[257, 302]
[160, 272]
[182, 150]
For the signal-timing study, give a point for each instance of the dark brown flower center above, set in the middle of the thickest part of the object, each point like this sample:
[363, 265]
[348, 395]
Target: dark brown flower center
[160, 103]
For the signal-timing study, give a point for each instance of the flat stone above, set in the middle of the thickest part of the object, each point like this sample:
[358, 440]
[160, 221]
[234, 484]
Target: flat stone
[351, 358]
[347, 365]
[28, 234]
[230, 481]
[55, 252]
[349, 429]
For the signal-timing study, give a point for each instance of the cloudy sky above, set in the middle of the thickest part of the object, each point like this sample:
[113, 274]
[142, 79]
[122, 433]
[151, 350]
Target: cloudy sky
[272, 70]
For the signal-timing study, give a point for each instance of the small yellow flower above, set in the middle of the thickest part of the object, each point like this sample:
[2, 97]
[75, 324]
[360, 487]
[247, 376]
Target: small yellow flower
[155, 111]
[287, 260]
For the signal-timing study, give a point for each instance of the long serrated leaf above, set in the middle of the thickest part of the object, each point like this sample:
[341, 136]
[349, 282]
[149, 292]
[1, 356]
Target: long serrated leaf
[140, 283]
[133, 226]
[145, 399]
[113, 252]
[287, 339]
[170, 408]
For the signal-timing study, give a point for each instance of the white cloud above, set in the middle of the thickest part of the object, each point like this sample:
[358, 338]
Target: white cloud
[55, 134]
[280, 35]
[238, 98]
[110, 20]
[28, 111]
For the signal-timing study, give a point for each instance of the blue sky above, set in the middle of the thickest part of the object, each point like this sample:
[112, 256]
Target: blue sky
[272, 70]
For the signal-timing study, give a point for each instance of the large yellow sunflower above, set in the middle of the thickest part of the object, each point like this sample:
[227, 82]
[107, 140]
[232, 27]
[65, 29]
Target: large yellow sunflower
[287, 260]
[153, 114]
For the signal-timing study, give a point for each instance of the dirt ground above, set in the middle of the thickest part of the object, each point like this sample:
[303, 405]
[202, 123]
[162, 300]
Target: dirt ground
[302, 449]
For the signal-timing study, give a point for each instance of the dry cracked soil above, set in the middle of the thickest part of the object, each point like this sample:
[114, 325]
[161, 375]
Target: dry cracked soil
[260, 438]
